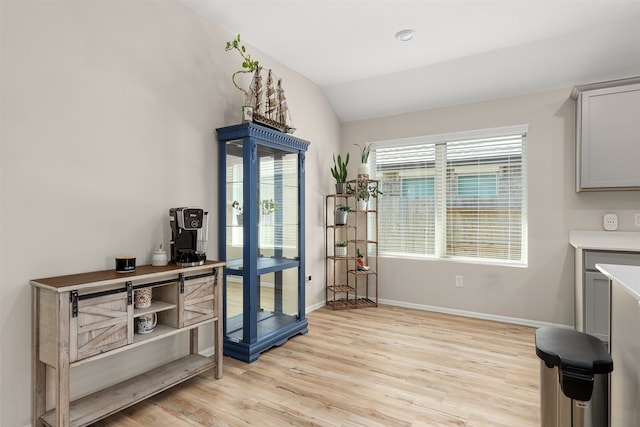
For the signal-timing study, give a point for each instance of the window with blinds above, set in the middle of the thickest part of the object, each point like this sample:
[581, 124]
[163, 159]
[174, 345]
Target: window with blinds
[460, 196]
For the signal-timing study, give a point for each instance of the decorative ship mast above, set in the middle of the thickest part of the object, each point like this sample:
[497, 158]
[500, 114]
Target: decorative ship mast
[269, 103]
[255, 96]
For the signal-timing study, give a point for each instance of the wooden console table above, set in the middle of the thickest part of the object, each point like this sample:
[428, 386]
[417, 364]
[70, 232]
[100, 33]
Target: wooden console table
[80, 318]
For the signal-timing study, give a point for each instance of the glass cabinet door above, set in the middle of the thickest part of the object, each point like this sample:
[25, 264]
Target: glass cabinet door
[235, 213]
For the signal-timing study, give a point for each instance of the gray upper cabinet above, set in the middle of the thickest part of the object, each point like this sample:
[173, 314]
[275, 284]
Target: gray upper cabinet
[608, 135]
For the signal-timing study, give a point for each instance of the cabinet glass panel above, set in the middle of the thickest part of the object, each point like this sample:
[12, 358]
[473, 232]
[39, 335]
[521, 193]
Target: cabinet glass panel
[235, 206]
[277, 203]
[277, 296]
[234, 308]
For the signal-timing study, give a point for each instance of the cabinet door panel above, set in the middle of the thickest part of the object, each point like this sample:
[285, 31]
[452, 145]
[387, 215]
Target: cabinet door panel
[198, 300]
[610, 138]
[101, 325]
[596, 298]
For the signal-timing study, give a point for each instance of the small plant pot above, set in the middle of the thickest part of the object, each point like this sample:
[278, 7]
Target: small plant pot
[239, 219]
[341, 251]
[247, 114]
[341, 217]
[361, 205]
[341, 187]
[363, 171]
[267, 219]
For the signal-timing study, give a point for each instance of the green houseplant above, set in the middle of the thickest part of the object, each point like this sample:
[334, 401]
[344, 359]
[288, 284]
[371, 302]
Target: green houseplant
[341, 248]
[364, 191]
[237, 207]
[339, 172]
[248, 66]
[363, 169]
[342, 212]
[268, 206]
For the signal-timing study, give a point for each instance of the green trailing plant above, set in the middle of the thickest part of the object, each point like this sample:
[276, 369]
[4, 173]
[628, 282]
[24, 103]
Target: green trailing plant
[365, 190]
[341, 244]
[344, 208]
[339, 169]
[364, 152]
[236, 205]
[268, 206]
[248, 65]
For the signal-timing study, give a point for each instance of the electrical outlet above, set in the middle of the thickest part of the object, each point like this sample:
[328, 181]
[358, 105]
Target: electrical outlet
[610, 222]
[637, 219]
[459, 282]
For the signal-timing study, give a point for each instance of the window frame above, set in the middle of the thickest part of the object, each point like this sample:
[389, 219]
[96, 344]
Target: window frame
[440, 252]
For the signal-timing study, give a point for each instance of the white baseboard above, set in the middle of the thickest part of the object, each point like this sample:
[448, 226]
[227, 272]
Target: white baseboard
[314, 307]
[473, 314]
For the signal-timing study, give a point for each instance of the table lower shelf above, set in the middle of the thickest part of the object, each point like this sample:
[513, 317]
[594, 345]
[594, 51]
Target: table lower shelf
[110, 400]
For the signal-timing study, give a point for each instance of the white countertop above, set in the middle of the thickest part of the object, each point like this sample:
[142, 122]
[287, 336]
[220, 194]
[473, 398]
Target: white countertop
[605, 240]
[626, 275]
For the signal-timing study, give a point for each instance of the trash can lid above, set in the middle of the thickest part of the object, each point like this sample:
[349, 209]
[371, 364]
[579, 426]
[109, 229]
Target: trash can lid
[568, 348]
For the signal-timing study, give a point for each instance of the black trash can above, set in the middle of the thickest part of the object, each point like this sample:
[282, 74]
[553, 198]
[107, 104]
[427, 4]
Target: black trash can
[574, 378]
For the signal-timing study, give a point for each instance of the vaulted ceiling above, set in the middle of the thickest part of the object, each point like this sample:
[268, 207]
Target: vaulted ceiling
[463, 51]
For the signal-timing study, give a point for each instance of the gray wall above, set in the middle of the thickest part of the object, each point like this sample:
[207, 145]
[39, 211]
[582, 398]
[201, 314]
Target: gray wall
[543, 291]
[109, 112]
[107, 120]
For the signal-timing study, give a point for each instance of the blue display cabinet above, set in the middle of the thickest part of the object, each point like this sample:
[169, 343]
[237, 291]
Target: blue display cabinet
[261, 223]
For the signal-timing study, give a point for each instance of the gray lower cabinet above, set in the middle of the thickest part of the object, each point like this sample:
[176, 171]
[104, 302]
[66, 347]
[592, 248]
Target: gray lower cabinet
[593, 291]
[596, 305]
[608, 135]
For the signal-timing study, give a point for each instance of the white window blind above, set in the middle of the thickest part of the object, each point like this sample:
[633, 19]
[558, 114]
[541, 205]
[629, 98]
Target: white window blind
[454, 198]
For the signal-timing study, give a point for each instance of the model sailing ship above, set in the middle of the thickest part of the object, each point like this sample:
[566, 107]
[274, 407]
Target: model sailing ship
[268, 103]
[265, 105]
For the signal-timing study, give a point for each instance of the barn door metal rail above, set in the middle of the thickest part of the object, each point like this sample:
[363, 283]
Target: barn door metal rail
[74, 297]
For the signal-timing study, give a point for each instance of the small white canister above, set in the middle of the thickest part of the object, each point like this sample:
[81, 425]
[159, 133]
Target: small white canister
[159, 257]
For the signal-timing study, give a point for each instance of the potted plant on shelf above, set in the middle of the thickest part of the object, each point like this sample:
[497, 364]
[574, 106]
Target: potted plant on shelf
[248, 66]
[339, 172]
[237, 208]
[364, 192]
[363, 169]
[341, 214]
[267, 208]
[341, 249]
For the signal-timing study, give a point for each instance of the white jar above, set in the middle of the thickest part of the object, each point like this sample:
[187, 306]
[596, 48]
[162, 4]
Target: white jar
[363, 171]
[159, 258]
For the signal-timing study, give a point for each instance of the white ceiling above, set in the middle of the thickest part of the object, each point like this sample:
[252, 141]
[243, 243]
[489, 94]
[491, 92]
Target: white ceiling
[464, 51]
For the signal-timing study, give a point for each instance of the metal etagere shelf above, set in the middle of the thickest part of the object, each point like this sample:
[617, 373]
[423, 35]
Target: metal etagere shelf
[352, 281]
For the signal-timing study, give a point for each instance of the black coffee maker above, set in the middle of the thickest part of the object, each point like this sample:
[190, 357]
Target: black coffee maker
[189, 229]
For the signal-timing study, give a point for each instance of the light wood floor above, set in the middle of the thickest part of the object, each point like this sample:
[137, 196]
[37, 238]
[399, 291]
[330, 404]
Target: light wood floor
[384, 366]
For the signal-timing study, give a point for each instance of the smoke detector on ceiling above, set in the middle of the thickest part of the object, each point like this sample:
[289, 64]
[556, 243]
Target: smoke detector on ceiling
[405, 35]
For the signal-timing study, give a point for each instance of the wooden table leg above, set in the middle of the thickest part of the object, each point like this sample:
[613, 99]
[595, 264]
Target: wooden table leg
[38, 369]
[217, 339]
[62, 366]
